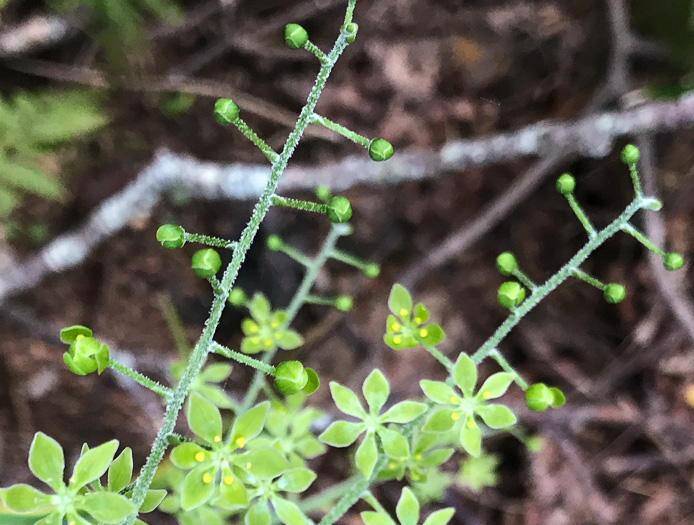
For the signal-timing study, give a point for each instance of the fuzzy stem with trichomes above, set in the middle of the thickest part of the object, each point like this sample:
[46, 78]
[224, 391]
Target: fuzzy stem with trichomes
[204, 345]
[145, 381]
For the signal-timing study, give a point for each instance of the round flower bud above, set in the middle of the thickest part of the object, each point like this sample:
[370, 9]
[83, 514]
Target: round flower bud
[225, 111]
[372, 270]
[237, 297]
[351, 28]
[290, 377]
[380, 149]
[673, 261]
[566, 184]
[206, 263]
[323, 193]
[538, 397]
[274, 243]
[313, 381]
[506, 263]
[630, 154]
[339, 210]
[295, 36]
[614, 293]
[171, 236]
[344, 303]
[510, 294]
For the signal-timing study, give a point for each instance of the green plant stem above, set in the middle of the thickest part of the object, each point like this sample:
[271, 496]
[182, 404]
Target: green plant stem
[326, 497]
[173, 321]
[635, 180]
[145, 381]
[585, 221]
[310, 46]
[299, 204]
[636, 234]
[295, 254]
[348, 259]
[564, 273]
[202, 348]
[324, 301]
[447, 363]
[524, 279]
[210, 241]
[334, 126]
[506, 366]
[216, 285]
[243, 358]
[255, 139]
[583, 276]
[312, 269]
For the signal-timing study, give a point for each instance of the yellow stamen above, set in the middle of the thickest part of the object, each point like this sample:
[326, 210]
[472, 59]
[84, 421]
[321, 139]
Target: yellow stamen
[248, 465]
[455, 416]
[470, 424]
[391, 467]
[267, 342]
[395, 327]
[79, 336]
[486, 394]
[252, 328]
[453, 399]
[275, 324]
[207, 478]
[397, 340]
[423, 332]
[418, 456]
[240, 442]
[255, 340]
[403, 312]
[278, 335]
[217, 439]
[200, 457]
[418, 320]
[228, 480]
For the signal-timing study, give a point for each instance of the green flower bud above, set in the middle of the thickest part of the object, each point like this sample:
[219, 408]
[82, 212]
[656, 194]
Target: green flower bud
[295, 36]
[538, 397]
[225, 111]
[86, 355]
[351, 28]
[69, 334]
[630, 154]
[313, 381]
[506, 263]
[323, 193]
[274, 243]
[344, 303]
[673, 261]
[290, 377]
[206, 263]
[510, 294]
[372, 270]
[558, 397]
[171, 236]
[566, 184]
[237, 297]
[614, 293]
[339, 210]
[380, 150]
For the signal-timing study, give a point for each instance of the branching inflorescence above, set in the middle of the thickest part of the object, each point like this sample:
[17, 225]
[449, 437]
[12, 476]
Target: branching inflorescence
[254, 467]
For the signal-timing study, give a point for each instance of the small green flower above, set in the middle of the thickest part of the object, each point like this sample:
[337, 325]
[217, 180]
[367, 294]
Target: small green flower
[405, 326]
[266, 330]
[539, 397]
[343, 433]
[477, 473]
[407, 512]
[468, 405]
[420, 461]
[86, 354]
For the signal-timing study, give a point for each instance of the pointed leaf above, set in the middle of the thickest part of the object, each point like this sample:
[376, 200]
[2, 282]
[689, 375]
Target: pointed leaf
[232, 491]
[407, 509]
[216, 373]
[198, 487]
[441, 421]
[295, 480]
[288, 512]
[376, 390]
[152, 500]
[367, 454]
[24, 498]
[188, 455]
[46, 460]
[495, 386]
[258, 514]
[465, 374]
[341, 433]
[471, 437]
[440, 517]
[204, 419]
[247, 426]
[403, 412]
[259, 308]
[265, 462]
[497, 416]
[107, 507]
[394, 444]
[93, 464]
[439, 392]
[346, 400]
[288, 339]
[375, 518]
[121, 471]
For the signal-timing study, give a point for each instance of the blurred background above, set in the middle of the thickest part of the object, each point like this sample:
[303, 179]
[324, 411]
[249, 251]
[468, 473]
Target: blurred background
[92, 93]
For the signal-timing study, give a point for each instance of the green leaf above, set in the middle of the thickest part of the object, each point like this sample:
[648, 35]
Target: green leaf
[441, 421]
[375, 518]
[54, 518]
[247, 426]
[376, 390]
[341, 433]
[436, 458]
[346, 400]
[495, 386]
[77, 519]
[46, 460]
[496, 416]
[152, 500]
[215, 394]
[465, 374]
[258, 514]
[204, 419]
[471, 437]
[93, 464]
[407, 509]
[400, 302]
[253, 345]
[394, 444]
[265, 462]
[287, 512]
[309, 447]
[288, 339]
[188, 455]
[403, 412]
[439, 392]
[259, 308]
[232, 491]
[367, 454]
[216, 373]
[295, 480]
[440, 517]
[24, 498]
[107, 507]
[198, 486]
[121, 471]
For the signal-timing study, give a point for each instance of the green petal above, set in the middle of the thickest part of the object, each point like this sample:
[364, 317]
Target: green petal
[394, 444]
[265, 462]
[400, 302]
[69, 334]
[249, 425]
[421, 314]
[375, 518]
[346, 400]
[288, 512]
[407, 509]
[204, 419]
[107, 507]
[399, 342]
[288, 339]
[367, 454]
[436, 458]
[23, 498]
[258, 514]
[431, 335]
[93, 464]
[232, 491]
[496, 416]
[46, 460]
[121, 471]
[198, 486]
[54, 518]
[403, 412]
[253, 345]
[188, 455]
[465, 374]
[376, 390]
[495, 386]
[341, 433]
[309, 447]
[259, 308]
[152, 500]
[471, 438]
[439, 392]
[441, 421]
[216, 373]
[440, 517]
[295, 480]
